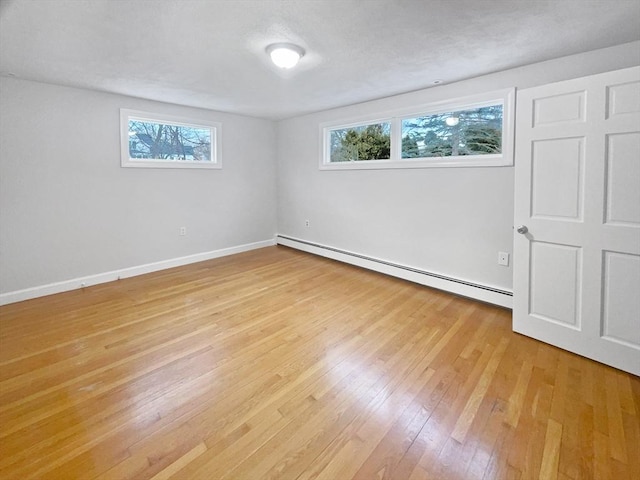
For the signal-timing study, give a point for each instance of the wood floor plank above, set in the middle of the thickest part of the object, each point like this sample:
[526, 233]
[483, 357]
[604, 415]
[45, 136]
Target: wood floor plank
[468, 414]
[181, 462]
[276, 364]
[551, 451]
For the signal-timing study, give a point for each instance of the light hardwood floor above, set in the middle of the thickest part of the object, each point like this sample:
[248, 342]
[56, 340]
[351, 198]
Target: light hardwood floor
[275, 364]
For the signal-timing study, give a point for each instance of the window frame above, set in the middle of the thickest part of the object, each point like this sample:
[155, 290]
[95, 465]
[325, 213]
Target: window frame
[127, 162]
[504, 97]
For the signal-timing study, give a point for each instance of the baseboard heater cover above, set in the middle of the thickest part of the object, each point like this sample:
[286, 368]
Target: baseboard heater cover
[496, 296]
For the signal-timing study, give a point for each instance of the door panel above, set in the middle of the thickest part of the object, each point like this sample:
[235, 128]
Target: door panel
[555, 293]
[556, 188]
[623, 98]
[621, 302]
[623, 172]
[558, 109]
[577, 268]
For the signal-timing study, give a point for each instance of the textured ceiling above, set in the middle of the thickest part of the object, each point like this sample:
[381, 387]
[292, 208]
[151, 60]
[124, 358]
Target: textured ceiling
[210, 53]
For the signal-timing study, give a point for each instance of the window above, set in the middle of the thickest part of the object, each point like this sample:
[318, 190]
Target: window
[463, 132]
[473, 131]
[161, 141]
[360, 143]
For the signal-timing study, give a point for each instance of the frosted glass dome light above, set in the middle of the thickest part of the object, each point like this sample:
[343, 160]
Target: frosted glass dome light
[285, 55]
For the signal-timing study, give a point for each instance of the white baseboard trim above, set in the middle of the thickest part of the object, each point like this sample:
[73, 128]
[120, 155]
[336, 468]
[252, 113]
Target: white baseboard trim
[75, 283]
[484, 293]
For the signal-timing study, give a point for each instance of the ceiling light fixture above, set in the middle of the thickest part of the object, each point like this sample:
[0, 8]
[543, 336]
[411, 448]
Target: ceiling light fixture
[285, 55]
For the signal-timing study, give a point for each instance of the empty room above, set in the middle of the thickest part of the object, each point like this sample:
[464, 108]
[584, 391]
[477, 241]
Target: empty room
[313, 239]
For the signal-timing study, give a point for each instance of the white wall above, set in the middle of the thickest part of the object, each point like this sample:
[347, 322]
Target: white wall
[68, 210]
[451, 221]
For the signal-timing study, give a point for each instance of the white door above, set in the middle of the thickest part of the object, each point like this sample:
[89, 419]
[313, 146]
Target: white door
[577, 183]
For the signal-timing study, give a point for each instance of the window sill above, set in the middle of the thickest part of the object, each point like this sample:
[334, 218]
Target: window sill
[169, 164]
[439, 162]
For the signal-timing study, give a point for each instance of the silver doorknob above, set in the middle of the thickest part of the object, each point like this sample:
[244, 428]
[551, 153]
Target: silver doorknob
[522, 229]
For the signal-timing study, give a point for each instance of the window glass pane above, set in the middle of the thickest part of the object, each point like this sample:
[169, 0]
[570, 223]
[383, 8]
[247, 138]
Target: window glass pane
[159, 141]
[463, 132]
[363, 142]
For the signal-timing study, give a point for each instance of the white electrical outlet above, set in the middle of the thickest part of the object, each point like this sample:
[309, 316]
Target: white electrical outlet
[183, 231]
[307, 223]
[503, 259]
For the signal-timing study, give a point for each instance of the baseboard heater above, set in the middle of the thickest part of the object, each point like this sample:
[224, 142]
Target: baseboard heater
[496, 296]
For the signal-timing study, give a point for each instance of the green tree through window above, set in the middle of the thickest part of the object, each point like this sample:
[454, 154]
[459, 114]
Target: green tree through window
[366, 142]
[466, 132]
